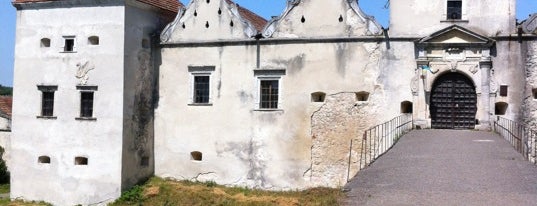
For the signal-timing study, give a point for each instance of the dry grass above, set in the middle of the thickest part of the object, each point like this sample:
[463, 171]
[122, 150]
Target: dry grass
[166, 192]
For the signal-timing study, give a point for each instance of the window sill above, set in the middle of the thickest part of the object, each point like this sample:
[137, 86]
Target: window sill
[47, 117]
[201, 104]
[68, 52]
[454, 21]
[268, 110]
[86, 118]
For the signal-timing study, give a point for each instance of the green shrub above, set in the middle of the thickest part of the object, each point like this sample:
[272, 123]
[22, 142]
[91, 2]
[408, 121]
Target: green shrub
[4, 172]
[134, 195]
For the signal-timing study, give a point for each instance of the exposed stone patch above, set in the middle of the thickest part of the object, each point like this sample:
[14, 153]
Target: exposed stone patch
[339, 120]
[530, 104]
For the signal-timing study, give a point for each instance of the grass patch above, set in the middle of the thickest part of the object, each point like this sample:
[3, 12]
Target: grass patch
[4, 188]
[162, 192]
[7, 202]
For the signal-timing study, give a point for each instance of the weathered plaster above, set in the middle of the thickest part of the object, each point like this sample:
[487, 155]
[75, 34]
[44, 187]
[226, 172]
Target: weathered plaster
[340, 18]
[208, 20]
[341, 118]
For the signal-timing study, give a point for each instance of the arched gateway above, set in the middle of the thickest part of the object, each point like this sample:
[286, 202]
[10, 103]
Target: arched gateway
[453, 102]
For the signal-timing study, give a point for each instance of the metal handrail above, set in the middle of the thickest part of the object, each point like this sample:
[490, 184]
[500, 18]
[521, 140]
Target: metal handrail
[378, 139]
[520, 136]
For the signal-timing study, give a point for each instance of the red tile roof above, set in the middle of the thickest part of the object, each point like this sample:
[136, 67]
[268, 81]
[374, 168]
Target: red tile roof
[6, 103]
[169, 5]
[258, 21]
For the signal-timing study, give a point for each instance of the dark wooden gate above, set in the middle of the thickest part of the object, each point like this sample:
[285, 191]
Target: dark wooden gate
[453, 102]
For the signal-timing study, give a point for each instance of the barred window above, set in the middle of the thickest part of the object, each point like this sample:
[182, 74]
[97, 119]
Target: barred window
[201, 89]
[47, 107]
[269, 94]
[454, 9]
[86, 104]
[47, 101]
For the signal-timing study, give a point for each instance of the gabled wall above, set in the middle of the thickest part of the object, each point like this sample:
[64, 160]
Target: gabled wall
[209, 20]
[302, 143]
[340, 18]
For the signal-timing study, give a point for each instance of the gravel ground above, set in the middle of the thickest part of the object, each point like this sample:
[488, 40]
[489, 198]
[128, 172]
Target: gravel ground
[447, 167]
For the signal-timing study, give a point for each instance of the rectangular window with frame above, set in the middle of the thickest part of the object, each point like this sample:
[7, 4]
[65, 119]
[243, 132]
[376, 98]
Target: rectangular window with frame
[47, 107]
[201, 89]
[87, 100]
[86, 104]
[454, 9]
[47, 101]
[200, 85]
[269, 94]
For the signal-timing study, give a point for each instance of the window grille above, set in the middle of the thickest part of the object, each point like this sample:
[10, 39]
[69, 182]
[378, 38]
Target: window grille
[454, 9]
[86, 104]
[201, 89]
[269, 94]
[47, 107]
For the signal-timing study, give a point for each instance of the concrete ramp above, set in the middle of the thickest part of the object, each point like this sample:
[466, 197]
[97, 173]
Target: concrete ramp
[447, 167]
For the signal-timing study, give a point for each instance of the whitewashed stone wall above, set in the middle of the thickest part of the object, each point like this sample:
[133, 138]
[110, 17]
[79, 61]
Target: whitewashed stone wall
[118, 143]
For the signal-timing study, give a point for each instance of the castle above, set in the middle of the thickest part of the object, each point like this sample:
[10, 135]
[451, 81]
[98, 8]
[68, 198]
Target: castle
[110, 92]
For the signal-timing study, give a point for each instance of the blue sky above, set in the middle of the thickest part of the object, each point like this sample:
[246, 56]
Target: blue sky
[265, 8]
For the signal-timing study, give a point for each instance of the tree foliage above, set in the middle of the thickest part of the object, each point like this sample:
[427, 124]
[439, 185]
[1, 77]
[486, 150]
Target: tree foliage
[7, 91]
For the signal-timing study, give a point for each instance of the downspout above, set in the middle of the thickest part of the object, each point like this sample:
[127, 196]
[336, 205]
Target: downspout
[386, 37]
[258, 50]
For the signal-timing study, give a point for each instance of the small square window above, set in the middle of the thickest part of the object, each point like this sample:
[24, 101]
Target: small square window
[269, 94]
[93, 40]
[503, 90]
[201, 89]
[454, 9]
[69, 44]
[81, 161]
[45, 42]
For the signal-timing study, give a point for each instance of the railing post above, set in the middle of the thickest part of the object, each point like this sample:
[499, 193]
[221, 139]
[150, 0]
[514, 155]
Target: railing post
[349, 165]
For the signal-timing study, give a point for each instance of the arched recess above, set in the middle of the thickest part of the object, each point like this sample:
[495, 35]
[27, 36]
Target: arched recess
[406, 107]
[453, 102]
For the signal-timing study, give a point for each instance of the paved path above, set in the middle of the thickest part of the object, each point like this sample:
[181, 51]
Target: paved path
[447, 167]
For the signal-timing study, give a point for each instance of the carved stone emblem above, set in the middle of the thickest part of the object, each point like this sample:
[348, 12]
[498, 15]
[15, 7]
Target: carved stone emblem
[454, 65]
[473, 68]
[414, 84]
[82, 72]
[492, 83]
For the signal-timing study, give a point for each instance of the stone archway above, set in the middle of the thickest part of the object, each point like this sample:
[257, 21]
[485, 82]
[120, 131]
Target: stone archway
[453, 102]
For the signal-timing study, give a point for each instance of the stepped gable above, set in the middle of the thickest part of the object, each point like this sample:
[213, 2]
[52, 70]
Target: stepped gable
[6, 104]
[168, 5]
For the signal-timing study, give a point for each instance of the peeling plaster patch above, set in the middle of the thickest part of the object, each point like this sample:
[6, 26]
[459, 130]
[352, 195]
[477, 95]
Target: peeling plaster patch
[338, 121]
[205, 177]
[530, 105]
